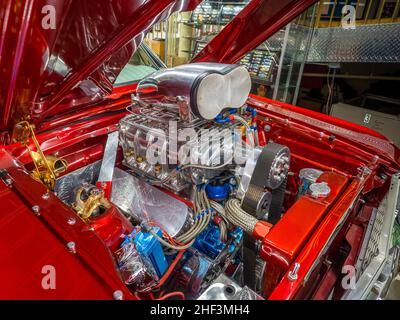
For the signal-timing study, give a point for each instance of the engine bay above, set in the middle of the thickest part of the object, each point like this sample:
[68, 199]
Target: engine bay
[121, 179]
[190, 196]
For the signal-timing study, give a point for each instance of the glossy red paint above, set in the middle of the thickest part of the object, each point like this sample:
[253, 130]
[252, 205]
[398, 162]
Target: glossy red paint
[29, 242]
[261, 229]
[83, 142]
[111, 227]
[45, 71]
[312, 252]
[105, 107]
[27, 246]
[118, 100]
[340, 144]
[259, 20]
[79, 136]
[334, 145]
[74, 137]
[279, 249]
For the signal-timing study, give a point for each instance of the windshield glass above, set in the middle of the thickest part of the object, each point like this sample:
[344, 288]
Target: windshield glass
[142, 63]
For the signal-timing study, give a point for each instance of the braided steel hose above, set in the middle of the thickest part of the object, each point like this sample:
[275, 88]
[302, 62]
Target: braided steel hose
[237, 216]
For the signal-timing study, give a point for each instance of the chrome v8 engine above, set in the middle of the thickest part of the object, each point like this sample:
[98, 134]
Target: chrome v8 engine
[189, 130]
[171, 125]
[187, 125]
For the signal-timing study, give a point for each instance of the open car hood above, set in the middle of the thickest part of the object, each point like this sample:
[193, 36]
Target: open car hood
[60, 56]
[258, 21]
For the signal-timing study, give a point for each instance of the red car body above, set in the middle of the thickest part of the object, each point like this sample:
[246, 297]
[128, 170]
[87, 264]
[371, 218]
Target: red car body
[62, 81]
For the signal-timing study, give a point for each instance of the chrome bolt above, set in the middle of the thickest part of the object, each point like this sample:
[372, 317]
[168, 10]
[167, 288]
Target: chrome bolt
[118, 295]
[292, 276]
[71, 247]
[267, 128]
[46, 196]
[8, 182]
[71, 221]
[36, 209]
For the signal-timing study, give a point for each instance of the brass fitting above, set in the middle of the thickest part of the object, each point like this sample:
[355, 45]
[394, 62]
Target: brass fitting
[90, 200]
[139, 159]
[47, 168]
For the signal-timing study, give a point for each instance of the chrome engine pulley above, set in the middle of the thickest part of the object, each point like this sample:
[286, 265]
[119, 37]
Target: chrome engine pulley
[265, 172]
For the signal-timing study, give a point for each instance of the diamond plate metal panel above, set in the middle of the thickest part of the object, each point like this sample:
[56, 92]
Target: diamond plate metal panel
[379, 43]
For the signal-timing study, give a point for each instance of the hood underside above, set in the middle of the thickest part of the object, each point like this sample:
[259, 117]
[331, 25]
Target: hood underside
[57, 56]
[259, 20]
